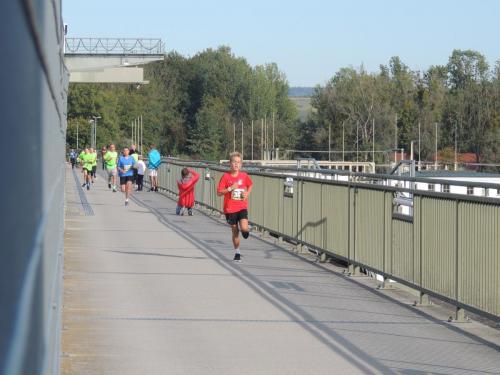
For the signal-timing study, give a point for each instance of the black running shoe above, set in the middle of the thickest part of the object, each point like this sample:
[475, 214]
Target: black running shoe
[88, 187]
[156, 189]
[109, 186]
[237, 257]
[83, 185]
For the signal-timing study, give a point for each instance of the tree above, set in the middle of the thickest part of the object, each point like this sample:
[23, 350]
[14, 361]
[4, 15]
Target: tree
[189, 105]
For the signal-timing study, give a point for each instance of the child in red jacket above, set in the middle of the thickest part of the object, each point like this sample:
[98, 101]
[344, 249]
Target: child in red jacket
[186, 191]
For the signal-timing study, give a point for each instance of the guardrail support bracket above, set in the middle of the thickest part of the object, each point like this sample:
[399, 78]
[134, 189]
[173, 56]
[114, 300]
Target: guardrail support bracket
[460, 315]
[354, 270]
[385, 285]
[424, 299]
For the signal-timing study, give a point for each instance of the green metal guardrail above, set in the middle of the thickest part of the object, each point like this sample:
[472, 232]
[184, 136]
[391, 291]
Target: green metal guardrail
[449, 248]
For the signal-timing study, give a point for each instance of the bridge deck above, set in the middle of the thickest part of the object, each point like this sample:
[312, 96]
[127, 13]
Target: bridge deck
[148, 292]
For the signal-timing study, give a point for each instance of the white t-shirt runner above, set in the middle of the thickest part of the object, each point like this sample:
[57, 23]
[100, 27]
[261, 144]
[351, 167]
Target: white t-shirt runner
[141, 167]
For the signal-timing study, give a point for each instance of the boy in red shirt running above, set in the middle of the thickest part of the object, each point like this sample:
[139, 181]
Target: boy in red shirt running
[236, 186]
[186, 191]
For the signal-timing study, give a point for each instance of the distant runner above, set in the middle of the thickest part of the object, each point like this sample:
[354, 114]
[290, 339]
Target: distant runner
[103, 152]
[236, 186]
[93, 158]
[79, 160]
[86, 161]
[141, 169]
[154, 161]
[110, 158]
[186, 185]
[135, 155]
[125, 164]
[72, 158]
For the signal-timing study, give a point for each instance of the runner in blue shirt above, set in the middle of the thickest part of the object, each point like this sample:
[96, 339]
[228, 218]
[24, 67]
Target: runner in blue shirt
[125, 164]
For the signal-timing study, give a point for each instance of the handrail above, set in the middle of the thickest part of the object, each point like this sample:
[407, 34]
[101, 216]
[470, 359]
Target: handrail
[353, 175]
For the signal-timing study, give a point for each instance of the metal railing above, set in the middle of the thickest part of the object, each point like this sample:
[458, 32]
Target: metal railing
[114, 46]
[449, 248]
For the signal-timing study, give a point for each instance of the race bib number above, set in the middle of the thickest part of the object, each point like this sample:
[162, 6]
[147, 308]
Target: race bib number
[237, 194]
[126, 167]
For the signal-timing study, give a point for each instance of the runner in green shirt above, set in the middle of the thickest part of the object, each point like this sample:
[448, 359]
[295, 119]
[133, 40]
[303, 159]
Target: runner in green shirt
[86, 160]
[93, 173]
[135, 155]
[110, 158]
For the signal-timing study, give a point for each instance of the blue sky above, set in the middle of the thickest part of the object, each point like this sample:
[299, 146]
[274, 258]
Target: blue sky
[310, 39]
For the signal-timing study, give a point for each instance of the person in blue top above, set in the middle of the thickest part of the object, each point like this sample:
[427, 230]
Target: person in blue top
[154, 161]
[125, 164]
[72, 158]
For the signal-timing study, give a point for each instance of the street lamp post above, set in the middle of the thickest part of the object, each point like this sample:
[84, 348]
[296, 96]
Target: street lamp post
[91, 122]
[95, 130]
[436, 147]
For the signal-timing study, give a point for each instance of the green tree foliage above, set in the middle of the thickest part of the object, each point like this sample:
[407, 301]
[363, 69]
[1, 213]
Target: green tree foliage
[462, 97]
[190, 106]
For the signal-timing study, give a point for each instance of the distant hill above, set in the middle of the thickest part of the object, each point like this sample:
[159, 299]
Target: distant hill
[294, 92]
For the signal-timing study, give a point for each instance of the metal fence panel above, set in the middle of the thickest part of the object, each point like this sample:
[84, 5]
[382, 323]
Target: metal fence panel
[417, 240]
[272, 197]
[256, 201]
[199, 187]
[288, 216]
[478, 256]
[402, 250]
[298, 202]
[312, 216]
[388, 229]
[336, 210]
[218, 202]
[439, 245]
[369, 227]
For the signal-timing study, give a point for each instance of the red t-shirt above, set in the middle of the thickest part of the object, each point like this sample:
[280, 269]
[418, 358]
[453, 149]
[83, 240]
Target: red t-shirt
[232, 201]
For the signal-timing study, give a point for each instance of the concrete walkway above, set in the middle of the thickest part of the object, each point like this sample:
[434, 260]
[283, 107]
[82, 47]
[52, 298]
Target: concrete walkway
[149, 292]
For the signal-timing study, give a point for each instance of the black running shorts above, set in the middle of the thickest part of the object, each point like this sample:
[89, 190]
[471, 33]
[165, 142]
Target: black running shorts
[235, 217]
[125, 179]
